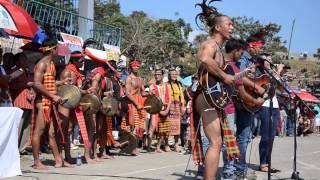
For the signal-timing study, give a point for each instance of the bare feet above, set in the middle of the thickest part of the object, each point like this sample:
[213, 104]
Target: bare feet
[89, 160]
[58, 164]
[39, 166]
[97, 159]
[135, 152]
[105, 156]
[177, 148]
[66, 164]
[158, 150]
[167, 149]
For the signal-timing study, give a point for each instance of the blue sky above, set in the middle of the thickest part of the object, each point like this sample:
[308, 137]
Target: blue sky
[306, 35]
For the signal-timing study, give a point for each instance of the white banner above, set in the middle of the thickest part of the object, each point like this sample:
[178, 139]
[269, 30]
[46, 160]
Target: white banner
[113, 52]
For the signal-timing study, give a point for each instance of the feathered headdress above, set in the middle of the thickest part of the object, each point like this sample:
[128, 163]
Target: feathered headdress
[208, 13]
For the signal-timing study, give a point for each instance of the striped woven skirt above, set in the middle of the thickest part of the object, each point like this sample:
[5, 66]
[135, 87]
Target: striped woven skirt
[174, 118]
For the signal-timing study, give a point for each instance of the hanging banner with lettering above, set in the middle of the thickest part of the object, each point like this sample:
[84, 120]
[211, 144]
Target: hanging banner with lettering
[74, 42]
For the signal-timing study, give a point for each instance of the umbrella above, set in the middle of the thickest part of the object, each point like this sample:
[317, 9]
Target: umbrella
[187, 80]
[306, 96]
[16, 21]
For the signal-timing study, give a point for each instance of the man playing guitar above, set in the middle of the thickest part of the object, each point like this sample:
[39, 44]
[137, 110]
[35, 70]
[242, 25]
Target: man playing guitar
[210, 57]
[244, 117]
[234, 49]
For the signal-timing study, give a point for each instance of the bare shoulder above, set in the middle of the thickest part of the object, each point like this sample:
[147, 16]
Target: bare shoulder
[41, 66]
[208, 46]
[207, 49]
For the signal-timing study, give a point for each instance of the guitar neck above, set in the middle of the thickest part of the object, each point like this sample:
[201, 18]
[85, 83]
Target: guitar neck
[240, 75]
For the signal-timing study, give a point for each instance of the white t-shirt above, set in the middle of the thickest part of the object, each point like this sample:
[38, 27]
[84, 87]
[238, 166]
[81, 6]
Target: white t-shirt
[275, 103]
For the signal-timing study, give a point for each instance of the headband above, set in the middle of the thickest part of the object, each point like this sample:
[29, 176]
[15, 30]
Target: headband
[135, 63]
[256, 43]
[47, 48]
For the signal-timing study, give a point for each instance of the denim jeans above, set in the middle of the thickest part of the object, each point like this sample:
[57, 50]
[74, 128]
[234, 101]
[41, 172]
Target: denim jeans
[256, 126]
[263, 115]
[228, 165]
[284, 126]
[204, 139]
[244, 120]
[76, 132]
[290, 126]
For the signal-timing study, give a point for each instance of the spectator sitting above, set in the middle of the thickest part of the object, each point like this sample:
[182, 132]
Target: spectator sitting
[304, 127]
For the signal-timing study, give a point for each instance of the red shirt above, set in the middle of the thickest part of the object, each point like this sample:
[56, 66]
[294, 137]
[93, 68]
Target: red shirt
[229, 109]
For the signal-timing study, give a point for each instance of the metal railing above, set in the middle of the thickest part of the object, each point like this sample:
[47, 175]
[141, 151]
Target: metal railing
[59, 20]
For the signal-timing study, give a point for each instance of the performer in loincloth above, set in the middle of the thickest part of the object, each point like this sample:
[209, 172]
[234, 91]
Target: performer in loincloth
[47, 115]
[177, 107]
[159, 123]
[135, 92]
[72, 75]
[107, 140]
[98, 85]
[210, 57]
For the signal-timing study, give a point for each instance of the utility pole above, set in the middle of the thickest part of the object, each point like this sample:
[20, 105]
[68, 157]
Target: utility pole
[294, 21]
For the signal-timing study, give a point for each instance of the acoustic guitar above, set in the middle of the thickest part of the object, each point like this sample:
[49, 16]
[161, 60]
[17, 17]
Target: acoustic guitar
[263, 81]
[216, 93]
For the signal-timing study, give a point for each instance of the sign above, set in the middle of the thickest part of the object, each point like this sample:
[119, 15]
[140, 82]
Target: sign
[113, 52]
[74, 42]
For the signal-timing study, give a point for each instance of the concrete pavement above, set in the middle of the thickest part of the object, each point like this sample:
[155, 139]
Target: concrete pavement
[169, 166]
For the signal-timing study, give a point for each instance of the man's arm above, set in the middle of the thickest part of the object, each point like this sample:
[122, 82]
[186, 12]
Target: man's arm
[166, 111]
[206, 57]
[248, 83]
[95, 83]
[248, 98]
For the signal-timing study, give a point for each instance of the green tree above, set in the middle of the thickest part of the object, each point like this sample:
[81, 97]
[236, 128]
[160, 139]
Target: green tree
[244, 27]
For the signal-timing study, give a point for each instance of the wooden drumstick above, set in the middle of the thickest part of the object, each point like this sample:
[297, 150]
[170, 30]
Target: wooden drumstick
[147, 107]
[84, 104]
[121, 145]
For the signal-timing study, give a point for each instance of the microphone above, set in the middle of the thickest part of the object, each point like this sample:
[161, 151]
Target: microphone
[261, 59]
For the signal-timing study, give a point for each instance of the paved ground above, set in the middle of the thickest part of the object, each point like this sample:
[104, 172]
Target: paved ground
[169, 166]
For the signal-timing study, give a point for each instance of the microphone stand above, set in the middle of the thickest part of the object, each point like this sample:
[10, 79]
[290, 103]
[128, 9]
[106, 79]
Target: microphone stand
[293, 96]
[270, 124]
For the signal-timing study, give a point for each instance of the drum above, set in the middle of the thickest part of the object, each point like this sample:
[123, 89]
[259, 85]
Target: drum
[153, 104]
[109, 106]
[90, 103]
[129, 140]
[70, 95]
